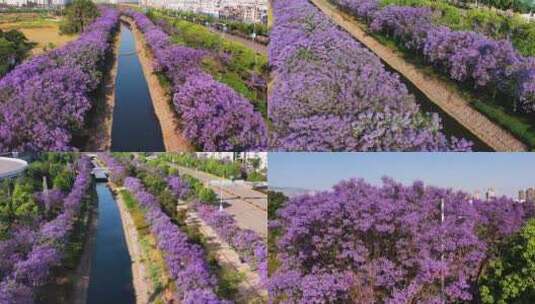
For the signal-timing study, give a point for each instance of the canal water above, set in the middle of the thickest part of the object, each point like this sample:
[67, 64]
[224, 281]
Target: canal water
[451, 127]
[111, 268]
[135, 125]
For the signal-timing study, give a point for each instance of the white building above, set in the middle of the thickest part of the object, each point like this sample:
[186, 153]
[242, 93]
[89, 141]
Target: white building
[245, 10]
[41, 3]
[490, 194]
[237, 156]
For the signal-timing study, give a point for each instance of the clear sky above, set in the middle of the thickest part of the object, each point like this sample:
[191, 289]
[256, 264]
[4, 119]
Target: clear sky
[506, 172]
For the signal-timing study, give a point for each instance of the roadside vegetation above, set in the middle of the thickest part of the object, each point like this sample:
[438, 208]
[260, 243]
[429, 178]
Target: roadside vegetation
[522, 6]
[228, 169]
[43, 228]
[234, 27]
[490, 64]
[229, 62]
[276, 201]
[492, 23]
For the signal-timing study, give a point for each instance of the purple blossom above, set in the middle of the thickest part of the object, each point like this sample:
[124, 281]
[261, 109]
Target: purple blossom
[249, 245]
[185, 261]
[214, 116]
[44, 101]
[34, 254]
[179, 187]
[332, 94]
[359, 243]
[464, 56]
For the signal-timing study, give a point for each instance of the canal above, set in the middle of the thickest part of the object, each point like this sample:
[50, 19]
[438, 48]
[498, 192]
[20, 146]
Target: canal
[135, 125]
[451, 127]
[111, 269]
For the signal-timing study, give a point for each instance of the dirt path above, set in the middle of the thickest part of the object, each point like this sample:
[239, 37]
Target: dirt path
[258, 47]
[100, 130]
[250, 290]
[142, 284]
[83, 271]
[436, 89]
[172, 133]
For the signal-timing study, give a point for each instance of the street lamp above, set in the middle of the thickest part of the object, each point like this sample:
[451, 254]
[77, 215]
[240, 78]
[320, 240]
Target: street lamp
[442, 249]
[220, 183]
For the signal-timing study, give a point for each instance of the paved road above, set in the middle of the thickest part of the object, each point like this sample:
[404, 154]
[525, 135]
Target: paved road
[246, 205]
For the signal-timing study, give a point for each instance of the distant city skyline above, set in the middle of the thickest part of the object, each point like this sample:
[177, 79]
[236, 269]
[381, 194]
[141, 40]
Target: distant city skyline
[505, 173]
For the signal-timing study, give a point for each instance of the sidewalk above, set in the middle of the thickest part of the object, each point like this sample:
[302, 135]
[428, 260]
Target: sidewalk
[250, 290]
[246, 205]
[142, 284]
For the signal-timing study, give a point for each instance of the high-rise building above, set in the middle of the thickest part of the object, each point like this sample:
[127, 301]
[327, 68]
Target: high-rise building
[242, 10]
[490, 194]
[40, 3]
[521, 196]
[530, 195]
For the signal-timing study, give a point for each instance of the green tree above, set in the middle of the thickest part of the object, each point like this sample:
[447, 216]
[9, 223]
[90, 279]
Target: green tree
[63, 181]
[275, 201]
[207, 195]
[510, 278]
[22, 202]
[14, 47]
[78, 15]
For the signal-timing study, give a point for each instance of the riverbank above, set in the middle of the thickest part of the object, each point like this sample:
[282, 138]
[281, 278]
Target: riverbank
[169, 120]
[101, 124]
[83, 271]
[142, 286]
[439, 91]
[71, 280]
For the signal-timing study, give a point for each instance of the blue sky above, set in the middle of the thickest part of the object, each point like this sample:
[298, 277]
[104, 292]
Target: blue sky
[506, 172]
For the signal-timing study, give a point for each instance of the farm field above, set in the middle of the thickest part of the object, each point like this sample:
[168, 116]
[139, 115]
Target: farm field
[43, 31]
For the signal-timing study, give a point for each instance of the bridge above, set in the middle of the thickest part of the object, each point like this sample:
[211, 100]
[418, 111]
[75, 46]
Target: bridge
[100, 174]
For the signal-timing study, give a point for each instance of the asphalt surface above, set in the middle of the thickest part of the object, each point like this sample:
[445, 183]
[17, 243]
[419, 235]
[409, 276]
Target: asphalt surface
[249, 207]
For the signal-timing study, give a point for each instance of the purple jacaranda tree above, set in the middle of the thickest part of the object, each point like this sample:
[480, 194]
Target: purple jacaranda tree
[360, 243]
[331, 94]
[45, 100]
[214, 117]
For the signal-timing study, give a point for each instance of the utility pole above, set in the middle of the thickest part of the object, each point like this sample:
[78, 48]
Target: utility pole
[442, 279]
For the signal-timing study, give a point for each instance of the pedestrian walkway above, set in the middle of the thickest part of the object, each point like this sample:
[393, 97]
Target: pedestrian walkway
[250, 288]
[249, 207]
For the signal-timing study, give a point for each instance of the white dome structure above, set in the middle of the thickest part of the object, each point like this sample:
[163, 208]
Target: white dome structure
[10, 167]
